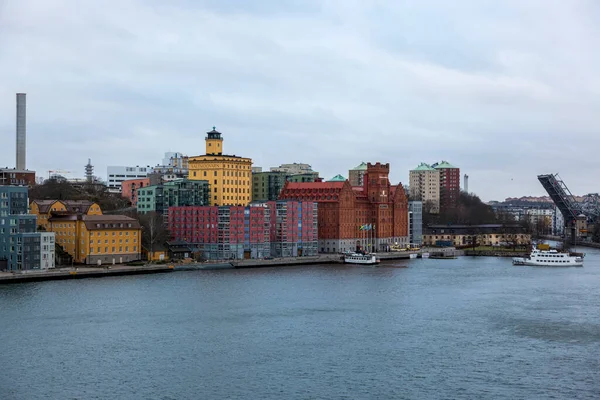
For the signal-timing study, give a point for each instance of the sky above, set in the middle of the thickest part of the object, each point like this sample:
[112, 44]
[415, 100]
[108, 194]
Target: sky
[504, 90]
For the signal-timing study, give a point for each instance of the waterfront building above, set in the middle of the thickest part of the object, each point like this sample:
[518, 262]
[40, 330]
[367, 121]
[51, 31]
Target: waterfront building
[480, 235]
[229, 176]
[357, 174]
[449, 184]
[97, 239]
[16, 177]
[21, 246]
[117, 174]
[86, 234]
[129, 188]
[424, 183]
[13, 200]
[221, 232]
[372, 217]
[415, 222]
[44, 209]
[274, 228]
[294, 228]
[182, 192]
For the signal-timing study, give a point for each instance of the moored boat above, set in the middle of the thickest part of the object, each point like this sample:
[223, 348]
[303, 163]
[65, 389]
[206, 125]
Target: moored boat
[550, 258]
[359, 258]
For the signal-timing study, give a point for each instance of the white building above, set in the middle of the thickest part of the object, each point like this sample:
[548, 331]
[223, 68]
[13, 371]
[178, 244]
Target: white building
[47, 250]
[424, 183]
[115, 175]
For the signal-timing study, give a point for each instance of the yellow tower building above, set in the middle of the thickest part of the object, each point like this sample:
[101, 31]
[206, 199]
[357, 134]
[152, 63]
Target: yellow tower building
[229, 177]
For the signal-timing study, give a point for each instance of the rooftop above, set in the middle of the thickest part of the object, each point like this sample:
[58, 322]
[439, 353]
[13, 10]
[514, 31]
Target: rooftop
[444, 165]
[424, 167]
[315, 185]
[361, 167]
[337, 178]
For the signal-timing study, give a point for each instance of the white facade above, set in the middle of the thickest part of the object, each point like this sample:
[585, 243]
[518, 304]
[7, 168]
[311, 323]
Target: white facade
[424, 183]
[47, 250]
[117, 174]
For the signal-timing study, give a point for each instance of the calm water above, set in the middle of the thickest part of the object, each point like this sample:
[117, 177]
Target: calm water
[440, 329]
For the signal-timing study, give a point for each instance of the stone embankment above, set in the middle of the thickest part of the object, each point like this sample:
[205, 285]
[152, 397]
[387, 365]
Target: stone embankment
[80, 273]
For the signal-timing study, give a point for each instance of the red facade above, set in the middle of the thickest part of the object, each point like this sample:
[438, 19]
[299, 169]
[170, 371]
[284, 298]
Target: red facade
[449, 187]
[130, 187]
[343, 209]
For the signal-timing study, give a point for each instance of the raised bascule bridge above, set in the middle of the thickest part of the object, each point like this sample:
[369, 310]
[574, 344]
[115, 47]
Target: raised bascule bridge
[571, 209]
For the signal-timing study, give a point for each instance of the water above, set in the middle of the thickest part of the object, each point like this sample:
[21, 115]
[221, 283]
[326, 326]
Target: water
[471, 328]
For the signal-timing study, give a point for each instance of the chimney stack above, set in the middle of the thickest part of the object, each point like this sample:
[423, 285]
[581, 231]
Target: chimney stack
[21, 131]
[466, 184]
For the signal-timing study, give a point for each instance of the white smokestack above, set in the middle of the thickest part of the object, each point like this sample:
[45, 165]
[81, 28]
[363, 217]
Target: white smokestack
[466, 184]
[21, 131]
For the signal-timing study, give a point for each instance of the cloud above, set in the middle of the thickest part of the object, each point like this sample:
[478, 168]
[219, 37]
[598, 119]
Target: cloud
[500, 89]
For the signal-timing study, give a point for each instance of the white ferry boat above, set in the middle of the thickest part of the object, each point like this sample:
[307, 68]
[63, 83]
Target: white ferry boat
[550, 258]
[358, 258]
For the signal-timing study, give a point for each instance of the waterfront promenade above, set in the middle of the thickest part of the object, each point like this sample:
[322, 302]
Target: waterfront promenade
[115, 270]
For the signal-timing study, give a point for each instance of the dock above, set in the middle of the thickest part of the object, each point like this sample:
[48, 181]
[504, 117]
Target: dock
[81, 273]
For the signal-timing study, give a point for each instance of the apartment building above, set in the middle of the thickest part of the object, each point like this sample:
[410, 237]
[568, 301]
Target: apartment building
[424, 184]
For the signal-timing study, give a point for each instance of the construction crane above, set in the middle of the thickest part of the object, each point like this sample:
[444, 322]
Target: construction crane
[57, 172]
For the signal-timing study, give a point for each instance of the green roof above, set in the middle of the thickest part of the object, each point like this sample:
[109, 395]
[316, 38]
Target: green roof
[444, 165]
[337, 178]
[361, 167]
[424, 167]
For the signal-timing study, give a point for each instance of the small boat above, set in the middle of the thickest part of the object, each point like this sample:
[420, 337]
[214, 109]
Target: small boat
[550, 258]
[425, 255]
[443, 256]
[413, 256]
[359, 258]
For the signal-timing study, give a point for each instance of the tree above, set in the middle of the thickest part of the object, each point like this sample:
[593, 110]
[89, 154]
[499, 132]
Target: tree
[60, 189]
[154, 231]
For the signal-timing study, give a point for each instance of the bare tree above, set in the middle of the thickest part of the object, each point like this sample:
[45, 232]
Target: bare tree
[154, 231]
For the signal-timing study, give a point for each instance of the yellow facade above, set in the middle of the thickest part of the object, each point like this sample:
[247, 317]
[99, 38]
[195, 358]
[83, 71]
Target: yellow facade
[86, 234]
[488, 239]
[43, 209]
[229, 177]
[85, 244]
[110, 243]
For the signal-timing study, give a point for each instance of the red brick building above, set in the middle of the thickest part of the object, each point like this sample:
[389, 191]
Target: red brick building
[343, 210]
[449, 184]
[16, 177]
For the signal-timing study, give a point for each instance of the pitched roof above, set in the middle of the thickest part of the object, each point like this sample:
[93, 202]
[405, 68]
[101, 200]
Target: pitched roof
[337, 178]
[95, 222]
[77, 206]
[423, 167]
[444, 165]
[314, 185]
[44, 205]
[361, 167]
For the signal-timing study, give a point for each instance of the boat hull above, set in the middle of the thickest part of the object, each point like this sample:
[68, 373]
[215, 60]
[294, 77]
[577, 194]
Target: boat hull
[361, 259]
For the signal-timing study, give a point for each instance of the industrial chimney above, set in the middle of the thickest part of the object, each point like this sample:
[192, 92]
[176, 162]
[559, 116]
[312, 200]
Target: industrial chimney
[21, 131]
[466, 184]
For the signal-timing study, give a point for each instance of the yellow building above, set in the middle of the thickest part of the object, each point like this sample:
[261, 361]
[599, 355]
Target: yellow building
[44, 209]
[86, 234]
[93, 238]
[229, 177]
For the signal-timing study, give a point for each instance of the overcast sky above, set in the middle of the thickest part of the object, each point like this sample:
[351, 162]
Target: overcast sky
[505, 90]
